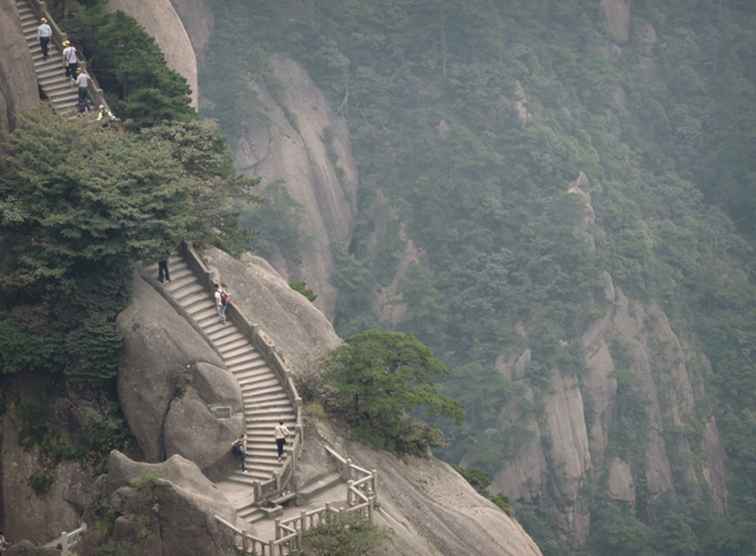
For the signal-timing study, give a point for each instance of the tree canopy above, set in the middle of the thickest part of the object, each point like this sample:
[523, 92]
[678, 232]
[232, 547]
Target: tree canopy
[379, 381]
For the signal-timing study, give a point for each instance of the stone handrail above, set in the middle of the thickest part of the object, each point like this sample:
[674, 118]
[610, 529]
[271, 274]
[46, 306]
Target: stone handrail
[68, 540]
[245, 542]
[284, 479]
[40, 10]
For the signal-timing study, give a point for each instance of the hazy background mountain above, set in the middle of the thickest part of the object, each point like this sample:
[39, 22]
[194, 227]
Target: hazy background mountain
[557, 197]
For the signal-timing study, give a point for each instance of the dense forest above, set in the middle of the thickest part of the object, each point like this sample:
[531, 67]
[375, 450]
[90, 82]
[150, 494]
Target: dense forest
[470, 120]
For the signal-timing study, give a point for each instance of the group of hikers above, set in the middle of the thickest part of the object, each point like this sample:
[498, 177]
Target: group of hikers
[239, 446]
[78, 74]
[4, 544]
[222, 299]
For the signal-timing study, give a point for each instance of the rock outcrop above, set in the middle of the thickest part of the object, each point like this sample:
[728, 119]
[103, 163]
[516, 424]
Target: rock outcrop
[298, 140]
[299, 328]
[18, 83]
[38, 517]
[171, 382]
[157, 509]
[162, 22]
[618, 426]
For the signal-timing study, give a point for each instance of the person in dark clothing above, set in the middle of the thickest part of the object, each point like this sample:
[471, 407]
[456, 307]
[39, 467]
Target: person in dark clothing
[239, 448]
[163, 273]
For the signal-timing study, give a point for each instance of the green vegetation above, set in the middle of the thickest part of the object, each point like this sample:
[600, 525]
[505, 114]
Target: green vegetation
[480, 481]
[663, 127]
[379, 381]
[346, 536]
[41, 481]
[130, 67]
[79, 208]
[301, 287]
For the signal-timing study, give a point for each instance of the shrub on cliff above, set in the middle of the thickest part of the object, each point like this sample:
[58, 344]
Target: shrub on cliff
[380, 382]
[80, 205]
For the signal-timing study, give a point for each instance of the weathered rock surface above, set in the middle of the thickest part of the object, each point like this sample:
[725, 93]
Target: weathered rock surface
[617, 13]
[634, 362]
[170, 382]
[158, 509]
[300, 329]
[298, 140]
[18, 83]
[432, 510]
[199, 23]
[162, 22]
[28, 515]
[426, 507]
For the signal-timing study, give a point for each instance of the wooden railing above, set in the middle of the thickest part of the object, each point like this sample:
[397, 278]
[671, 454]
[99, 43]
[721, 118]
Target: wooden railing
[40, 10]
[69, 540]
[284, 479]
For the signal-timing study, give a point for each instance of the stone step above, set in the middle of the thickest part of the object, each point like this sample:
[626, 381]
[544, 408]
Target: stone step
[178, 274]
[233, 355]
[191, 293]
[243, 376]
[210, 320]
[244, 355]
[177, 284]
[228, 346]
[251, 514]
[271, 390]
[61, 83]
[229, 334]
[261, 469]
[247, 478]
[263, 382]
[245, 366]
[256, 413]
[200, 306]
[320, 485]
[202, 311]
[218, 329]
[272, 398]
[282, 405]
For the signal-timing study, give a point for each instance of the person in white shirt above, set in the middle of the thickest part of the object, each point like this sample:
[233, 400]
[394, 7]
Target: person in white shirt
[281, 434]
[70, 59]
[219, 306]
[44, 32]
[82, 82]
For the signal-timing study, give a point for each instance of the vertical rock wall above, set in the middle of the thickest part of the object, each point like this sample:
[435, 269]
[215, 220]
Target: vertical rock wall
[18, 83]
[298, 140]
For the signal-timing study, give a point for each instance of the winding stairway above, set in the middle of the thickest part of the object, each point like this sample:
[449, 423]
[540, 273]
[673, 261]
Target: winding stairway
[60, 90]
[264, 398]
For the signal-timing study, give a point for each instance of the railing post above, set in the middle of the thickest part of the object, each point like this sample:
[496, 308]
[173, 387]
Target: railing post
[374, 482]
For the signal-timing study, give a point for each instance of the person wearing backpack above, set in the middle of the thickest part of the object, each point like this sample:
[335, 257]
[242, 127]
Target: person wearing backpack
[239, 449]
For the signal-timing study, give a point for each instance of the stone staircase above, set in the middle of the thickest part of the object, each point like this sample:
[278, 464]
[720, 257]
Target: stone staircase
[264, 397]
[60, 90]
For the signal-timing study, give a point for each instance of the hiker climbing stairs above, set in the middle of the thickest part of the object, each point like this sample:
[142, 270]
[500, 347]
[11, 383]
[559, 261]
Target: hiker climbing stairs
[264, 398]
[59, 89]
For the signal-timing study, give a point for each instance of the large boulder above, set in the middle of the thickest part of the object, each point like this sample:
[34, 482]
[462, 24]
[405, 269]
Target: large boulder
[157, 509]
[28, 548]
[161, 21]
[297, 327]
[18, 82]
[172, 383]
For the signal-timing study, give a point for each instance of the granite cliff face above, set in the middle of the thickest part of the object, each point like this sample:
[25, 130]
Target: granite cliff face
[18, 83]
[296, 139]
[629, 423]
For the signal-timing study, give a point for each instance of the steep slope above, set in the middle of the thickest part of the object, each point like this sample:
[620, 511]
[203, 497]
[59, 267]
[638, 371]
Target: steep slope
[18, 83]
[558, 200]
